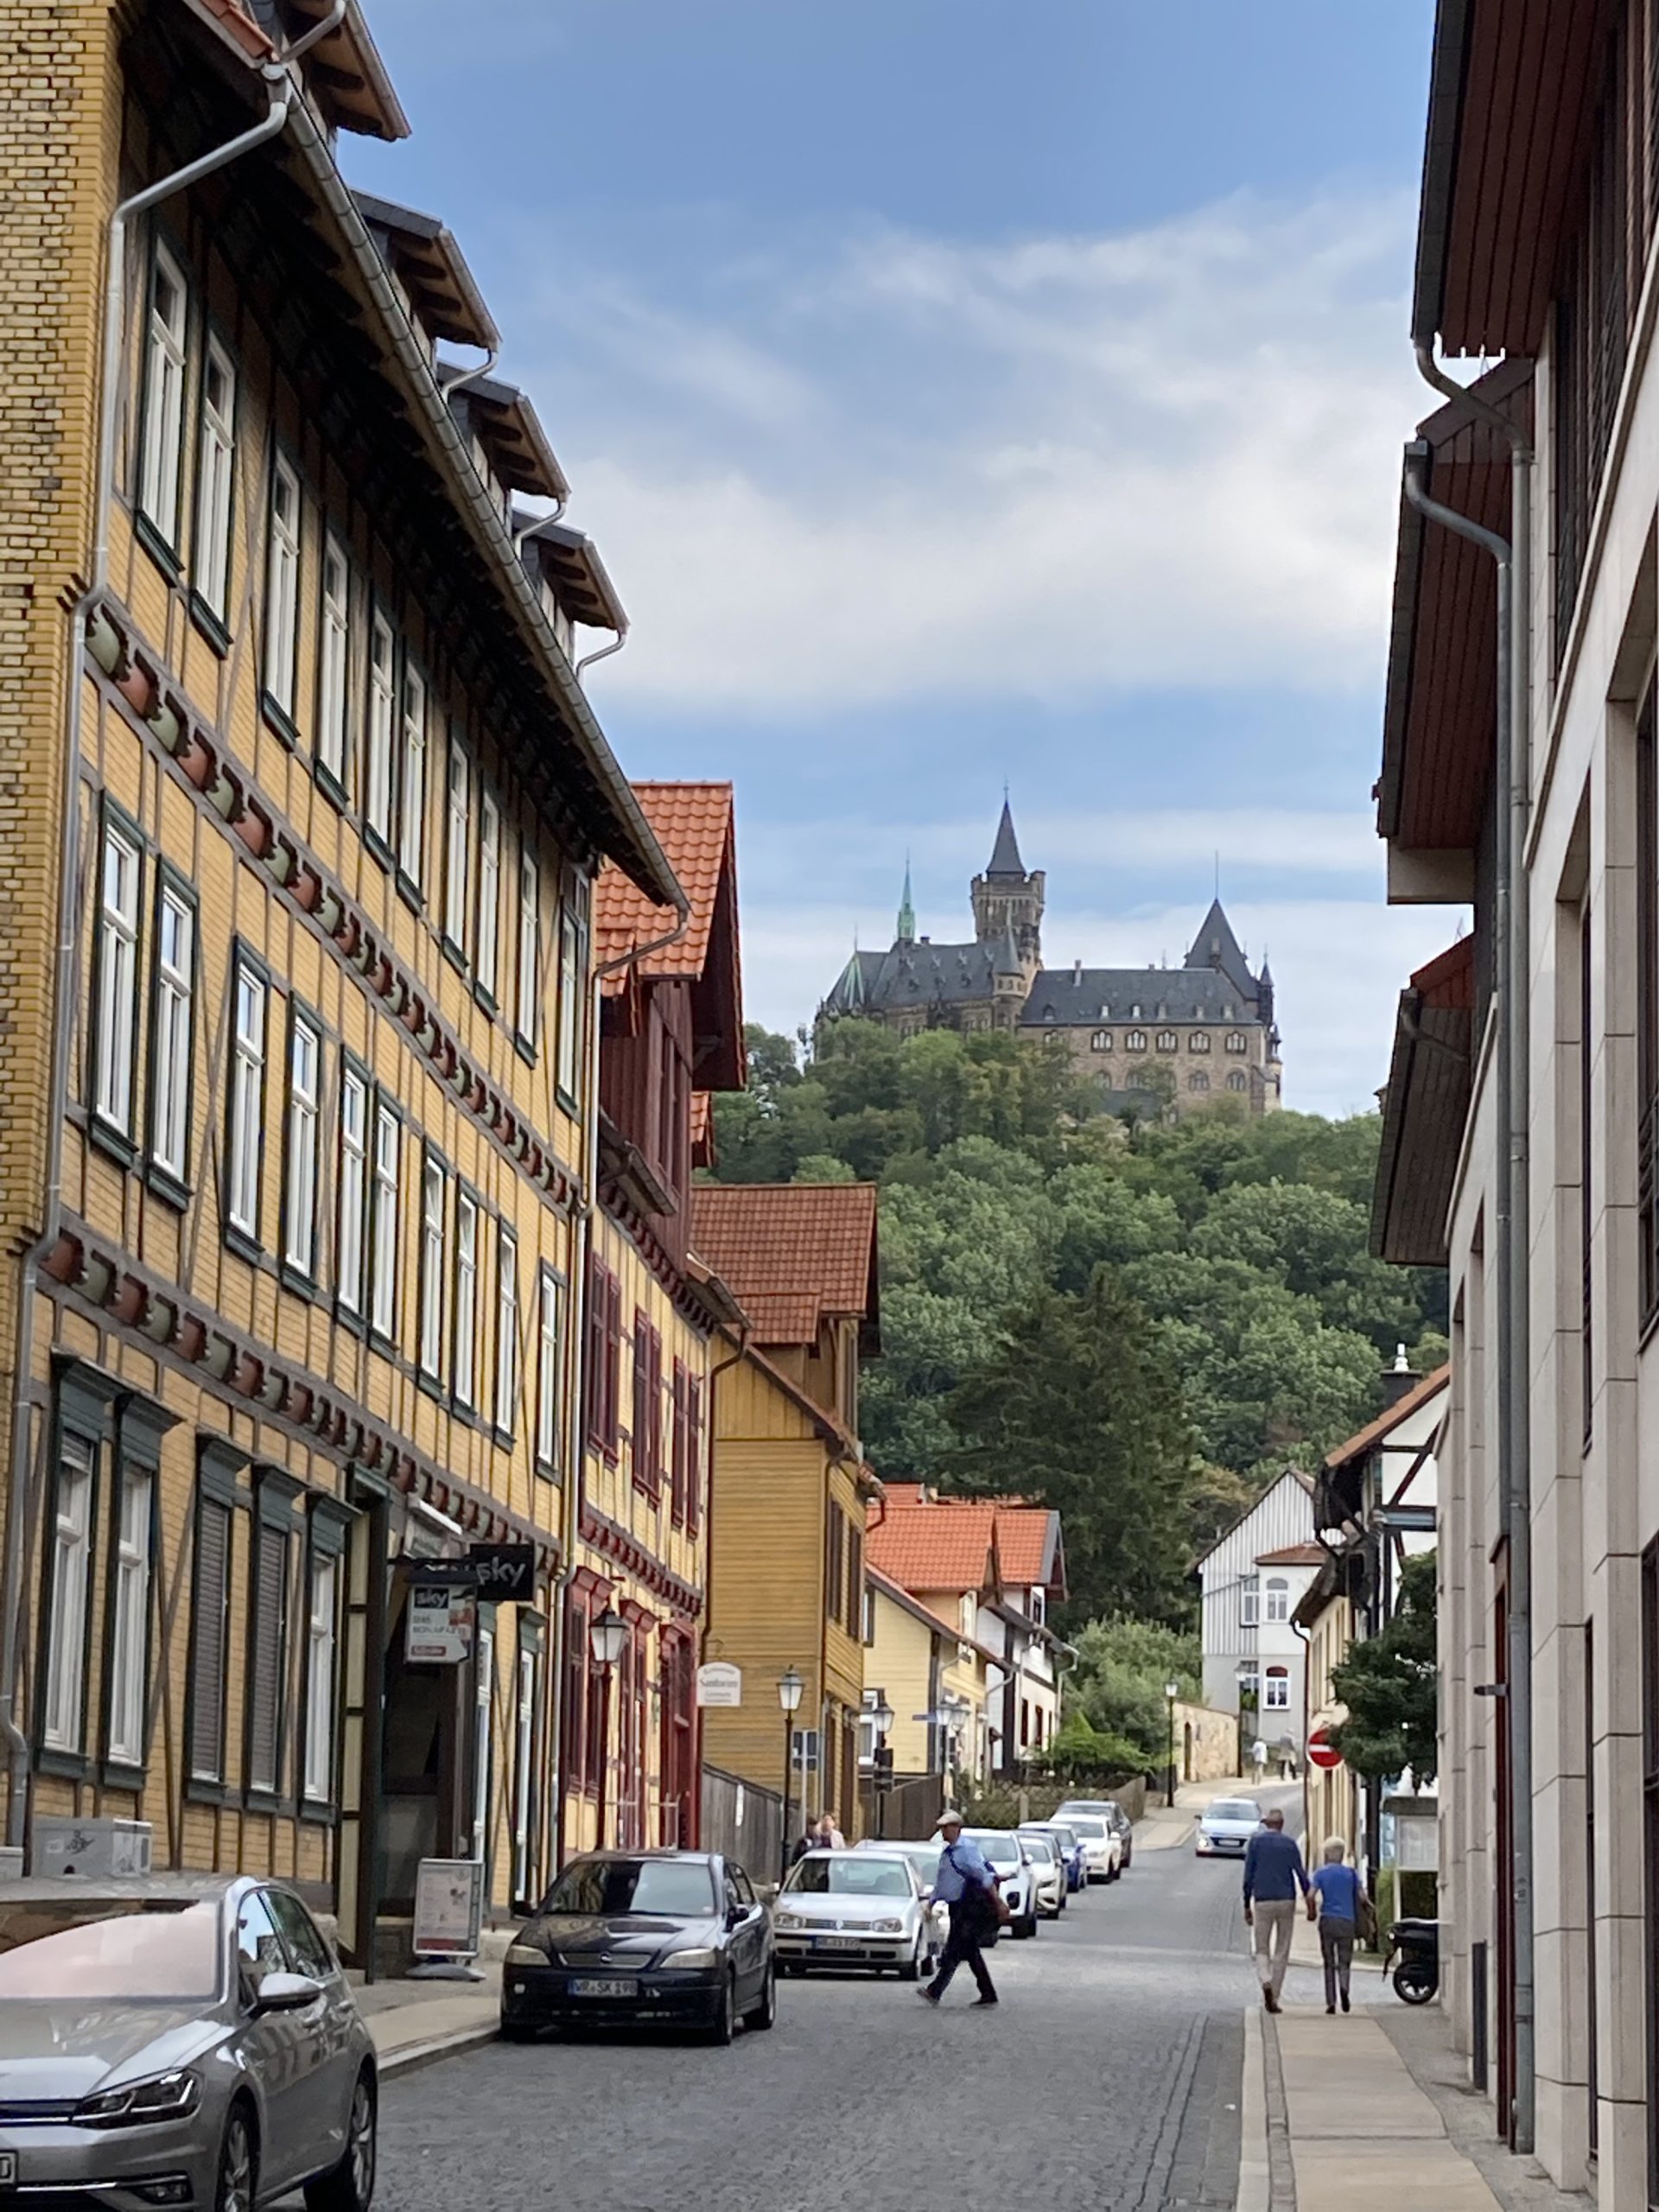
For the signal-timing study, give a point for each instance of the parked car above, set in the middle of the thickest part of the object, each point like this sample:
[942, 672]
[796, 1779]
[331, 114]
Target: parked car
[1047, 1871]
[1125, 1827]
[1100, 1847]
[1001, 1848]
[1226, 1826]
[178, 2040]
[1068, 1845]
[643, 1938]
[856, 1909]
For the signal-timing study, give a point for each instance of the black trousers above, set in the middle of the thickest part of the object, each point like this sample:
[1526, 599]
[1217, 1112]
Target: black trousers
[962, 1948]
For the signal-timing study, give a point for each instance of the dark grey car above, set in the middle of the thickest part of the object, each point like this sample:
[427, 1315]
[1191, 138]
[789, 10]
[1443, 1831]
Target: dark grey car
[178, 2041]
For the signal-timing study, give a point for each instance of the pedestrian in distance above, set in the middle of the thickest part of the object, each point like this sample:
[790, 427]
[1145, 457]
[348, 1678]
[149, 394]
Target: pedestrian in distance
[1259, 1757]
[830, 1837]
[1273, 1872]
[967, 1887]
[1334, 1898]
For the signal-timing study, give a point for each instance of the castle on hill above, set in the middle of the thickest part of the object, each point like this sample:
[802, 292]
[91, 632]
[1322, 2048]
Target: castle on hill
[1208, 1023]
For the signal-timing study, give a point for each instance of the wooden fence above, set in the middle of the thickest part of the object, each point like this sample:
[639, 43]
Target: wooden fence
[743, 1823]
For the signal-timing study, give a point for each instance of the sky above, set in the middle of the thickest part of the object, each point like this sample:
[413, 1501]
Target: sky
[962, 396]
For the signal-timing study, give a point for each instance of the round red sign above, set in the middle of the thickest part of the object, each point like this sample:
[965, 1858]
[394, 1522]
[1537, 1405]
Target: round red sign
[1321, 1753]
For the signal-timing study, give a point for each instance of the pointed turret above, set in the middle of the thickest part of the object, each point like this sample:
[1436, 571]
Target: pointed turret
[906, 932]
[1008, 961]
[1005, 853]
[1215, 946]
[1006, 898]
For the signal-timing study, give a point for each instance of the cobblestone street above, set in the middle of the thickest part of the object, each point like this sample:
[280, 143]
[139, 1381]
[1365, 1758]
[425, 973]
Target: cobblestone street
[1108, 2082]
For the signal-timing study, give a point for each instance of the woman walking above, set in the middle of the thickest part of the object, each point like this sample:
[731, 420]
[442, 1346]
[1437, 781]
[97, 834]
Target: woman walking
[1334, 1898]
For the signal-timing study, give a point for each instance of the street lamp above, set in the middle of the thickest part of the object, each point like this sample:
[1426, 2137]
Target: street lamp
[1172, 1691]
[790, 1686]
[881, 1716]
[608, 1637]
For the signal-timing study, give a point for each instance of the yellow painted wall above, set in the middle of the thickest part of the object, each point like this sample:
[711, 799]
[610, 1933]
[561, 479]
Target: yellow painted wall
[900, 1663]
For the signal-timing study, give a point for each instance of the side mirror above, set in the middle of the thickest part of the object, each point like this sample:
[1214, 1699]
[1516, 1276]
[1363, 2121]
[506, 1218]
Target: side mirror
[286, 1992]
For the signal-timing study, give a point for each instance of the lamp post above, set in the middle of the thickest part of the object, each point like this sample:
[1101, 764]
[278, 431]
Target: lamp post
[790, 1686]
[881, 1766]
[607, 1636]
[1172, 1691]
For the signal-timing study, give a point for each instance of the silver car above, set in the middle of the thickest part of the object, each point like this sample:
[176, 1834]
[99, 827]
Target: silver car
[855, 1909]
[178, 2041]
[1226, 1826]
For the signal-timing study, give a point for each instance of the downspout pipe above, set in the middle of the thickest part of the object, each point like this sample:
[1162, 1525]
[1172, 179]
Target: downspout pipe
[576, 1306]
[604, 653]
[1511, 962]
[283, 96]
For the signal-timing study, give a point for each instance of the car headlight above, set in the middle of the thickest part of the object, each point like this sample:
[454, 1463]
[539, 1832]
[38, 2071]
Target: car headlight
[163, 2096]
[703, 1958]
[886, 1927]
[787, 1920]
[525, 1955]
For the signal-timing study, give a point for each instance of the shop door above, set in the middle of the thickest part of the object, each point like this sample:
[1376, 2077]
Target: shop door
[423, 1813]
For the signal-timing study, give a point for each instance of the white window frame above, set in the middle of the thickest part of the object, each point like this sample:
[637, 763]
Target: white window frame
[170, 1096]
[120, 894]
[302, 1152]
[457, 856]
[334, 662]
[549, 1369]
[129, 1626]
[161, 450]
[385, 1155]
[1249, 1600]
[411, 818]
[1275, 1678]
[352, 1204]
[435, 1262]
[573, 999]
[506, 1329]
[64, 1716]
[250, 999]
[283, 584]
[1168, 1041]
[1236, 1042]
[530, 934]
[383, 709]
[1276, 1595]
[1101, 1041]
[215, 482]
[321, 1665]
[1198, 1041]
[466, 1299]
[1135, 1041]
[486, 966]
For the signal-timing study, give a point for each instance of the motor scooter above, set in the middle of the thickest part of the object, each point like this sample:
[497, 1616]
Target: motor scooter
[1417, 1945]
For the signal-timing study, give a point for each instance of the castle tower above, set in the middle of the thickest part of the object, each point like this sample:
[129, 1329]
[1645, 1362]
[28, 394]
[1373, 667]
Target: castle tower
[906, 929]
[1007, 901]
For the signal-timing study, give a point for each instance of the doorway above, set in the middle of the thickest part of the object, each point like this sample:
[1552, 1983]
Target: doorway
[423, 1734]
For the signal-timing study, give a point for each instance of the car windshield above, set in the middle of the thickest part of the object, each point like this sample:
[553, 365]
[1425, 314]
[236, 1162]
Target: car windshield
[924, 1857]
[1063, 1835]
[1090, 1830]
[610, 1886]
[999, 1848]
[1234, 1808]
[859, 1874]
[111, 1949]
[1038, 1847]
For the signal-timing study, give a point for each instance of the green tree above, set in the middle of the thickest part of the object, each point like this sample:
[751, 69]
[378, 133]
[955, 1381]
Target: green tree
[1118, 1682]
[1388, 1684]
[1076, 1409]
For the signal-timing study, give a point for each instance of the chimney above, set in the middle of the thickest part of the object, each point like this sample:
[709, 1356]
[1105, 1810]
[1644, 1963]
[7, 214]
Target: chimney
[1398, 1380]
[1076, 972]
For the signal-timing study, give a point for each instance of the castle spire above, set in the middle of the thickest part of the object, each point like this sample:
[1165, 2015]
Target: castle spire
[1005, 853]
[906, 933]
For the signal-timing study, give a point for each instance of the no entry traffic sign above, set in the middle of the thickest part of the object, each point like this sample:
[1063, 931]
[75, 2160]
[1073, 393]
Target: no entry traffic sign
[1321, 1752]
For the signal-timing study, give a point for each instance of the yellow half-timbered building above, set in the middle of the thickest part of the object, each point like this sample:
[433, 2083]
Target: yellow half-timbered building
[298, 774]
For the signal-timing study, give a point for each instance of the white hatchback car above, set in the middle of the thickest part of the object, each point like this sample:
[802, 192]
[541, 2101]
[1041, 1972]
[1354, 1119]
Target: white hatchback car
[1102, 1848]
[855, 1908]
[1047, 1871]
[1226, 1826]
[1000, 1847]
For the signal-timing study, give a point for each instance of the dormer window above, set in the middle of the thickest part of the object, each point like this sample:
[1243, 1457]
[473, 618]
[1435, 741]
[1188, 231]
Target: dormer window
[1037, 1606]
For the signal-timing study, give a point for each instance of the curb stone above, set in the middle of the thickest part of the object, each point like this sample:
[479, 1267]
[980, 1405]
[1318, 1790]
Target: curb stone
[415, 2055]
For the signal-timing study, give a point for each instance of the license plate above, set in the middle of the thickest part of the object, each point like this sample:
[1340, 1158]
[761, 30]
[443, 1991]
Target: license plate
[8, 2169]
[591, 1986]
[838, 1943]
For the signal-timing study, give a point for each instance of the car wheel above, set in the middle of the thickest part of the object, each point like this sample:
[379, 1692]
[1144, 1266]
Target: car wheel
[912, 1968]
[349, 2187]
[1023, 1930]
[766, 2011]
[723, 2026]
[237, 2187]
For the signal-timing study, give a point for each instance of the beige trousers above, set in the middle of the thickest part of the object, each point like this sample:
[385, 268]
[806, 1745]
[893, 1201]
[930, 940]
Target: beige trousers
[1275, 1924]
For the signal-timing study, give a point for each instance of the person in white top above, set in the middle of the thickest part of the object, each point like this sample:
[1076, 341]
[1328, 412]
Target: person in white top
[1260, 1755]
[829, 1836]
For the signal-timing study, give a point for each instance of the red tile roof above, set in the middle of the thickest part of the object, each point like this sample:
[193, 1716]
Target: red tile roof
[693, 824]
[795, 1255]
[1023, 1532]
[952, 1546]
[1292, 1555]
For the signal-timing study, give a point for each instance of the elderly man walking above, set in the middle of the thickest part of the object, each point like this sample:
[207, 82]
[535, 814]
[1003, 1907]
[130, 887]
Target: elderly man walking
[1336, 1886]
[1274, 1873]
[965, 1883]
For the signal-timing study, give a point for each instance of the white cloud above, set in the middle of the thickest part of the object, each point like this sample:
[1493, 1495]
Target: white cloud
[909, 468]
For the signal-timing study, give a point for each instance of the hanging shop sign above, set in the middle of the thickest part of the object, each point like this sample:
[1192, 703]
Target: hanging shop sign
[507, 1572]
[720, 1683]
[440, 1622]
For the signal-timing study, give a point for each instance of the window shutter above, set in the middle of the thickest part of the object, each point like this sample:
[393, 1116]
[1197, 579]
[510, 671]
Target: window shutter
[693, 1458]
[265, 1697]
[208, 1652]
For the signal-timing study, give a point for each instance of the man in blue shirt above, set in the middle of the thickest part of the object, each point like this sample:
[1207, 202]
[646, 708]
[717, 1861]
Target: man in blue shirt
[966, 1885]
[1273, 1872]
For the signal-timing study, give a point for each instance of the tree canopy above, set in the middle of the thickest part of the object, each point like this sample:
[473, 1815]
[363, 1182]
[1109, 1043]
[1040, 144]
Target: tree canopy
[1389, 1684]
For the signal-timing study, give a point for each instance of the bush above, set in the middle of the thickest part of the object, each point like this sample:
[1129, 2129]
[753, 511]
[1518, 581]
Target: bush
[1122, 1665]
[1081, 1752]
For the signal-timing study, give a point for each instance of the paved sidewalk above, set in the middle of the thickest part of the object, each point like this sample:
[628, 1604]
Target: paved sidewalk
[413, 2021]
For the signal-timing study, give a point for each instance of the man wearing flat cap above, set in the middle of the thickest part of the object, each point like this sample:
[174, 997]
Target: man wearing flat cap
[967, 1886]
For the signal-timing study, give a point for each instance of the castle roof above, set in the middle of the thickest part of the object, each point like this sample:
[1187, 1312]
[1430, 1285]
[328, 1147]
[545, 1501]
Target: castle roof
[1005, 853]
[1215, 946]
[1065, 997]
[916, 974]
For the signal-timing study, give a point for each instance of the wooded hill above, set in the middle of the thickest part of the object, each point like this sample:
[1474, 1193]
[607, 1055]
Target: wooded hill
[1138, 1323]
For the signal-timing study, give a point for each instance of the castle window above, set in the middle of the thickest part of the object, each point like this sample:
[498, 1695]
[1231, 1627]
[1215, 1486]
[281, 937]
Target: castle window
[1135, 1041]
[1135, 1014]
[1238, 1080]
[1167, 1040]
[1101, 1041]
[1198, 1041]
[1197, 1080]
[1235, 1042]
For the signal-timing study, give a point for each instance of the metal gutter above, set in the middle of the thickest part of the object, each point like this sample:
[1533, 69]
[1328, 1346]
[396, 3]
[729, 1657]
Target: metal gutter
[1448, 69]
